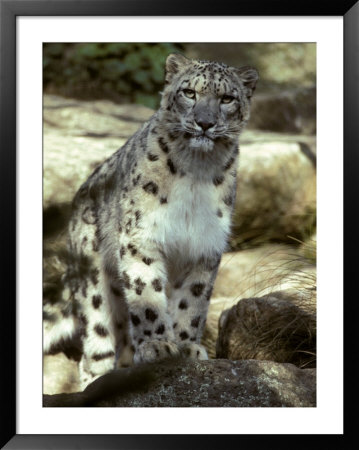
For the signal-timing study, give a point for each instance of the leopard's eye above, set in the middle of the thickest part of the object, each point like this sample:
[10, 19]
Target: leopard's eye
[227, 99]
[190, 93]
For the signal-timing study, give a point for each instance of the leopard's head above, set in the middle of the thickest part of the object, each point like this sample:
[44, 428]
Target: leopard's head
[206, 102]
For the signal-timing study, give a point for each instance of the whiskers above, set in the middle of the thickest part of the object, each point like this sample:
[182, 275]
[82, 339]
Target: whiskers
[216, 133]
[231, 132]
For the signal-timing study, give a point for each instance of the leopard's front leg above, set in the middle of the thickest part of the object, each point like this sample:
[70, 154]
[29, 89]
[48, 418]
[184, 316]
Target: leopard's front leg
[143, 274]
[189, 305]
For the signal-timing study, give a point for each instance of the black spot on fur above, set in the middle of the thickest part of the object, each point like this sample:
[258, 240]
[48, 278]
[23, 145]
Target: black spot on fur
[163, 200]
[160, 329]
[138, 216]
[83, 325]
[197, 289]
[163, 145]
[122, 251]
[128, 226]
[140, 341]
[139, 286]
[157, 285]
[126, 280]
[195, 322]
[183, 304]
[229, 163]
[172, 136]
[175, 325]
[101, 356]
[132, 249]
[183, 335]
[115, 290]
[208, 294]
[94, 191]
[109, 186]
[96, 301]
[218, 180]
[147, 261]
[100, 330]
[84, 289]
[83, 191]
[147, 333]
[94, 276]
[150, 188]
[228, 200]
[171, 166]
[219, 213]
[151, 315]
[136, 180]
[96, 244]
[152, 157]
[135, 319]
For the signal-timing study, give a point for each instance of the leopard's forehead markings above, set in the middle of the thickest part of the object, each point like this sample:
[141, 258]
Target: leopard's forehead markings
[206, 76]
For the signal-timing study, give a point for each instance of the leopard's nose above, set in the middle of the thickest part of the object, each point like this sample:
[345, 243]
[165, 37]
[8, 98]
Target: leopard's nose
[205, 124]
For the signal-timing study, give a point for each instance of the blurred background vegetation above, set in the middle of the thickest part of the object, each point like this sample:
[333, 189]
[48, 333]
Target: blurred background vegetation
[134, 72]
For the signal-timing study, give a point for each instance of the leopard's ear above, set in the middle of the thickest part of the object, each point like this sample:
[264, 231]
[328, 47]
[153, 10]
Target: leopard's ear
[249, 77]
[174, 63]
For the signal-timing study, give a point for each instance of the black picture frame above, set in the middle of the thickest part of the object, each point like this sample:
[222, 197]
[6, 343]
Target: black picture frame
[9, 10]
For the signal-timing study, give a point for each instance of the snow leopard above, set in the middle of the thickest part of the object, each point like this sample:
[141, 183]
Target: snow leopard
[150, 224]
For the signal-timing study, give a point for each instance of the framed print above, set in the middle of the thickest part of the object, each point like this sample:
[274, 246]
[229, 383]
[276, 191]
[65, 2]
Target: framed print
[77, 81]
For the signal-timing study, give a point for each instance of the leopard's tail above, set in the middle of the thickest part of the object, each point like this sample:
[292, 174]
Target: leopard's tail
[59, 322]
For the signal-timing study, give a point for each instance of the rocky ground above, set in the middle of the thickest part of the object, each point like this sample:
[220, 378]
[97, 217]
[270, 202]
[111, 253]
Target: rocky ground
[275, 208]
[212, 383]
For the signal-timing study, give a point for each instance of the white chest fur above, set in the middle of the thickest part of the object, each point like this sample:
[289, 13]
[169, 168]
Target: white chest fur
[189, 223]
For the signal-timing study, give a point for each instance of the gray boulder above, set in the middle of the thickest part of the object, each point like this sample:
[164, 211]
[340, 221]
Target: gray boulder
[213, 383]
[279, 327]
[276, 192]
[291, 111]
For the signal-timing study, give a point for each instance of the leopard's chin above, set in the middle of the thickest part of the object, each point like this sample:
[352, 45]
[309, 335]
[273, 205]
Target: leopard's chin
[201, 143]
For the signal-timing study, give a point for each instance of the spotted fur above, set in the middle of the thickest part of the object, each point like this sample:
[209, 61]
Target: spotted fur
[149, 226]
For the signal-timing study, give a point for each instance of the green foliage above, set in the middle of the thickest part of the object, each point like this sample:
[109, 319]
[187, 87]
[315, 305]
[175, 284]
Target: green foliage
[132, 72]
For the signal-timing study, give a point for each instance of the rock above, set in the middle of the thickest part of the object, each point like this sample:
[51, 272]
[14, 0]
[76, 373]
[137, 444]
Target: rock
[276, 192]
[60, 374]
[254, 273]
[291, 111]
[68, 161]
[95, 118]
[78, 136]
[277, 327]
[184, 383]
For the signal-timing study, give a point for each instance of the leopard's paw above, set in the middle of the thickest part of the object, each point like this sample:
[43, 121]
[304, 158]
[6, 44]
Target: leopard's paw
[150, 351]
[193, 351]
